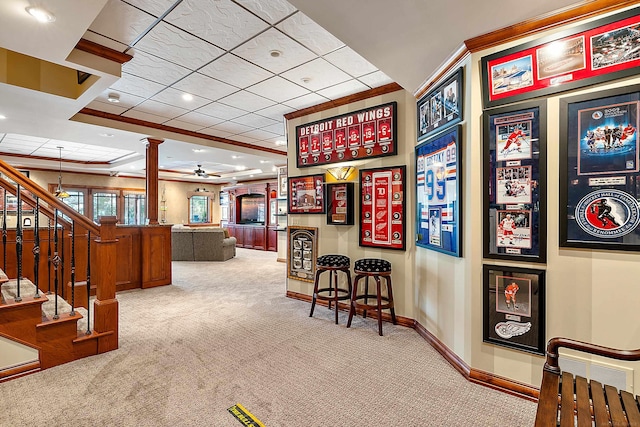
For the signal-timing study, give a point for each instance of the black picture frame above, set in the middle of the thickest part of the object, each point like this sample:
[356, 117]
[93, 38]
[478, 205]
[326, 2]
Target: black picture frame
[585, 61]
[438, 192]
[515, 170]
[514, 315]
[600, 170]
[305, 194]
[340, 203]
[441, 107]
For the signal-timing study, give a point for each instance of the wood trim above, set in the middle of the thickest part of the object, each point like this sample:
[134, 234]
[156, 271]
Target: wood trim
[546, 22]
[451, 357]
[103, 51]
[19, 371]
[444, 71]
[51, 159]
[138, 122]
[382, 90]
[503, 384]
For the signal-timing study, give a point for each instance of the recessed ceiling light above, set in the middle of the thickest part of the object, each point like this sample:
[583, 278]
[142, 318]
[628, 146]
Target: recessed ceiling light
[235, 157]
[2, 117]
[197, 150]
[279, 142]
[113, 97]
[187, 97]
[305, 80]
[42, 15]
[265, 161]
[233, 177]
[240, 168]
[275, 53]
[250, 176]
[106, 135]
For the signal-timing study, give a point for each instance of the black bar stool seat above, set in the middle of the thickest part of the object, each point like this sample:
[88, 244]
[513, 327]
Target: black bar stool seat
[376, 268]
[333, 264]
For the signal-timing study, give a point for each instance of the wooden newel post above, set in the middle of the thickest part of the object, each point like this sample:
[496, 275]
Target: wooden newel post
[106, 304]
[152, 179]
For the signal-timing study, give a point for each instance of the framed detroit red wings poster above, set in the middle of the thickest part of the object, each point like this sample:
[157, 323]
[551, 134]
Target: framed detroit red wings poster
[515, 175]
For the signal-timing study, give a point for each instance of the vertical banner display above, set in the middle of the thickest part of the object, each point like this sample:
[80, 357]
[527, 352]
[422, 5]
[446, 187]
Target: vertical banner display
[382, 207]
[364, 134]
[340, 203]
[437, 193]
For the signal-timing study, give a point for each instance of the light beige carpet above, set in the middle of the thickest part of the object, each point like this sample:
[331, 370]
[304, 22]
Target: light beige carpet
[224, 333]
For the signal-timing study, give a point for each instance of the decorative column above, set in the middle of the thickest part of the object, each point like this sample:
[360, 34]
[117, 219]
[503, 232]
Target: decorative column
[152, 179]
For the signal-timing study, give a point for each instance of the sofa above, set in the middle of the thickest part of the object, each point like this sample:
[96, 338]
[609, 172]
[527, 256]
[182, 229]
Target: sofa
[201, 244]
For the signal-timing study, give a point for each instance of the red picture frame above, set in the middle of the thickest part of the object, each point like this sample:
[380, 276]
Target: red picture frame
[306, 194]
[382, 207]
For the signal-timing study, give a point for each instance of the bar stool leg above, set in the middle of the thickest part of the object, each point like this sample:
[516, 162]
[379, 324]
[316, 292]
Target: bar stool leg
[390, 294]
[315, 292]
[354, 291]
[335, 296]
[379, 302]
[330, 291]
[366, 296]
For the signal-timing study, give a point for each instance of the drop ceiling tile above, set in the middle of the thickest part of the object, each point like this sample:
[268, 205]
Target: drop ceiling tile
[183, 125]
[275, 112]
[343, 89]
[243, 138]
[175, 45]
[253, 120]
[310, 34]
[174, 97]
[216, 132]
[27, 138]
[127, 100]
[67, 146]
[350, 62]
[136, 86]
[221, 111]
[154, 68]
[320, 74]
[53, 153]
[271, 11]
[154, 7]
[221, 22]
[277, 128]
[275, 140]
[258, 51]
[121, 22]
[306, 101]
[246, 101]
[376, 79]
[145, 116]
[107, 107]
[258, 134]
[235, 71]
[233, 128]
[104, 41]
[200, 119]
[278, 89]
[207, 87]
[16, 148]
[160, 109]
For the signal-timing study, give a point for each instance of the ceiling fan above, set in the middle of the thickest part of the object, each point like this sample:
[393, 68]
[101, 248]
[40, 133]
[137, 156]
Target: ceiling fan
[202, 173]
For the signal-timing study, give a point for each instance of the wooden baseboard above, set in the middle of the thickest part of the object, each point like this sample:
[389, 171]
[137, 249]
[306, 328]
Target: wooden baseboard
[281, 260]
[19, 371]
[476, 376]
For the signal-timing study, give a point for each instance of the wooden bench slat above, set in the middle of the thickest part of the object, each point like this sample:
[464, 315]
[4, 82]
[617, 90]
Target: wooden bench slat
[566, 400]
[547, 412]
[582, 402]
[631, 408]
[599, 404]
[615, 407]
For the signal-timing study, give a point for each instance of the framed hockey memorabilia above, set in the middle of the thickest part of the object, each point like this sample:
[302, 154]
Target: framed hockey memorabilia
[441, 107]
[282, 182]
[592, 53]
[515, 176]
[340, 203]
[382, 207]
[437, 193]
[600, 170]
[302, 252]
[514, 308]
[306, 194]
[364, 134]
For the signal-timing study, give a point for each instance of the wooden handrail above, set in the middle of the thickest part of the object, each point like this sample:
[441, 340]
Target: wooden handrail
[554, 345]
[19, 178]
[46, 210]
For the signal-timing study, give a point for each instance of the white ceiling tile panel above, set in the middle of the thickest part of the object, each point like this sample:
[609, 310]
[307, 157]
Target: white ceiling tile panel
[310, 34]
[26, 138]
[154, 68]
[160, 109]
[376, 79]
[136, 86]
[258, 51]
[52, 152]
[259, 134]
[274, 140]
[221, 111]
[154, 7]
[232, 127]
[244, 138]
[349, 61]
[121, 22]
[16, 148]
[104, 41]
[320, 73]
[216, 132]
[275, 112]
[178, 46]
[244, 99]
[107, 107]
[278, 89]
[343, 89]
[277, 128]
[200, 119]
[271, 11]
[183, 125]
[306, 101]
[145, 116]
[269, 144]
[235, 71]
[221, 22]
[204, 86]
[67, 146]
[174, 97]
[254, 120]
[127, 100]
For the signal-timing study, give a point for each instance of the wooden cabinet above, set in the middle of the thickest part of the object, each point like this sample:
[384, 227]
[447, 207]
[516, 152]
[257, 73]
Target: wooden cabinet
[254, 236]
[272, 239]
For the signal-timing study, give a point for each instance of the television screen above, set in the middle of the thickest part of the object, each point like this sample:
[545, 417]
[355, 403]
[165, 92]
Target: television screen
[251, 209]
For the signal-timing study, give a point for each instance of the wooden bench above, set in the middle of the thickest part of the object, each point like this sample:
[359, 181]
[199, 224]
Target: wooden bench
[566, 400]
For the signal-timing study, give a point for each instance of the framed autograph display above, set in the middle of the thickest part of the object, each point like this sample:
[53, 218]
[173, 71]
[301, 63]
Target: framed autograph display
[592, 53]
[382, 207]
[437, 192]
[302, 252]
[441, 107]
[364, 134]
[282, 182]
[340, 203]
[514, 308]
[515, 176]
[306, 194]
[600, 170]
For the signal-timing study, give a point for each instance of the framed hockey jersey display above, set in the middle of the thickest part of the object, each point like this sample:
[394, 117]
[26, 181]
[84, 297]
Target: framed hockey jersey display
[600, 170]
[515, 179]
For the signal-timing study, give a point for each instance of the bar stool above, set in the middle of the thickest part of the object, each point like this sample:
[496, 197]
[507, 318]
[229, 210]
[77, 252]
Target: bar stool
[333, 264]
[376, 268]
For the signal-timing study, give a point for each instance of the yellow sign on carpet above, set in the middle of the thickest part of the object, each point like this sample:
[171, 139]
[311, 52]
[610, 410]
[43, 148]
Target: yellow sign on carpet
[244, 416]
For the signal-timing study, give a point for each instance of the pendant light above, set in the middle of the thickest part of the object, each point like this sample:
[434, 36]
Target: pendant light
[60, 193]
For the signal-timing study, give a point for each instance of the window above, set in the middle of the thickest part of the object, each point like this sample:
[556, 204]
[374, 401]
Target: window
[198, 209]
[135, 209]
[104, 204]
[75, 200]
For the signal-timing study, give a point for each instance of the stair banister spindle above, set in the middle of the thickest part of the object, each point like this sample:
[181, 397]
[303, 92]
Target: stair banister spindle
[73, 268]
[36, 249]
[88, 282]
[56, 261]
[49, 257]
[62, 286]
[18, 244]
[4, 231]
